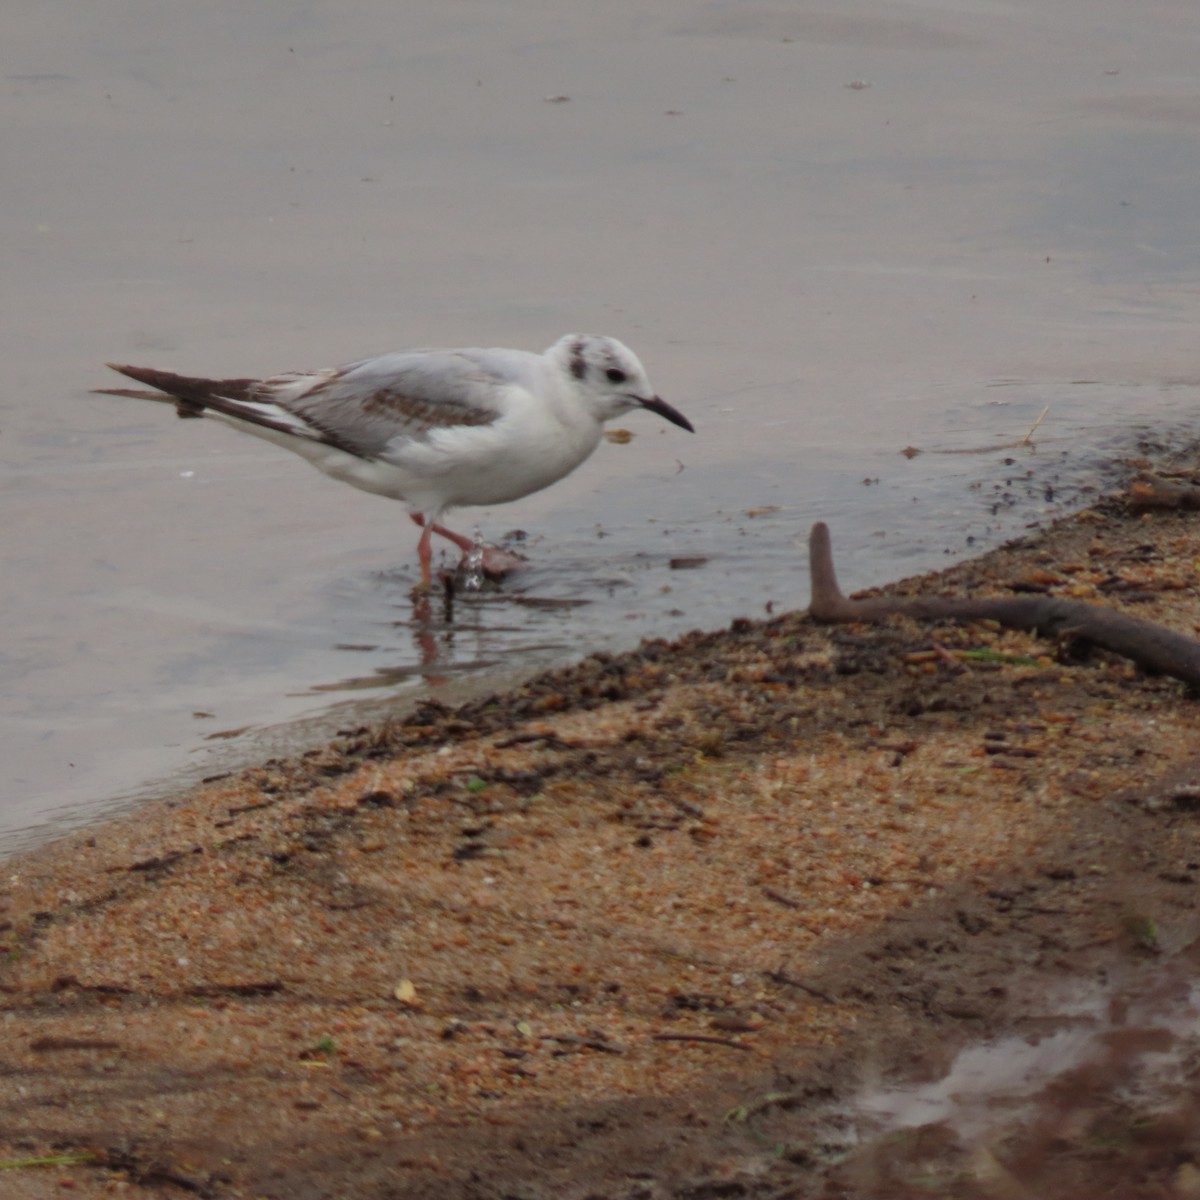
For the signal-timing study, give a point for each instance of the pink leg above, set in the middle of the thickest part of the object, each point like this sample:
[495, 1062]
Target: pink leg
[463, 543]
[495, 561]
[425, 554]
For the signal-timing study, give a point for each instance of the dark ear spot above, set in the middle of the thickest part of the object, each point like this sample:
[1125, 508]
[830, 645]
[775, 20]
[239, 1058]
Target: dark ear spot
[578, 363]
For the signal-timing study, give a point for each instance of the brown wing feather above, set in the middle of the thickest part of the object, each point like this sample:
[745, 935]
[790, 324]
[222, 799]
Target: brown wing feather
[390, 403]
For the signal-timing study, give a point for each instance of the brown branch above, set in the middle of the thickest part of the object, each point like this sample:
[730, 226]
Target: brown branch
[1149, 491]
[1153, 647]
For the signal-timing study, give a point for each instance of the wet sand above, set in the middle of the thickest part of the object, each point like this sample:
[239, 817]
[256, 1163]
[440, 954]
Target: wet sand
[709, 918]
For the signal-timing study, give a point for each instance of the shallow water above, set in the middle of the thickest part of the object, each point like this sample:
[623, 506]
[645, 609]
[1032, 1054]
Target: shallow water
[817, 273]
[1131, 1037]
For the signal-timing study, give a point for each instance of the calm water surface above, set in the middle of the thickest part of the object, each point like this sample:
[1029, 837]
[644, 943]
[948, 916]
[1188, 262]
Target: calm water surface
[830, 233]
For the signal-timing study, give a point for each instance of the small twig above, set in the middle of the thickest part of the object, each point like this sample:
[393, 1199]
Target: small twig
[1025, 439]
[165, 1175]
[263, 987]
[43, 1044]
[592, 1043]
[700, 1037]
[784, 978]
[743, 1112]
[552, 741]
[238, 809]
[788, 902]
[159, 861]
[58, 1160]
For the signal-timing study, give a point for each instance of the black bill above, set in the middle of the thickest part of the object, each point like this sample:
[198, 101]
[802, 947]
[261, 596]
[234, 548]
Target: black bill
[660, 406]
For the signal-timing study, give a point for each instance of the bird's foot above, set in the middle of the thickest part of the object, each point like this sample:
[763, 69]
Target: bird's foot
[498, 562]
[484, 567]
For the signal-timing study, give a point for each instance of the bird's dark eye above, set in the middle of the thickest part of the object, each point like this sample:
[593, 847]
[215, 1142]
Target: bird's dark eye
[616, 375]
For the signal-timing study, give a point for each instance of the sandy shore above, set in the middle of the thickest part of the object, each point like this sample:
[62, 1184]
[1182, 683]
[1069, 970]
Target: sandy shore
[651, 926]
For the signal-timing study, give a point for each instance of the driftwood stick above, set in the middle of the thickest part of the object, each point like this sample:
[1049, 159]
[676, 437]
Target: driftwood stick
[1153, 647]
[1149, 491]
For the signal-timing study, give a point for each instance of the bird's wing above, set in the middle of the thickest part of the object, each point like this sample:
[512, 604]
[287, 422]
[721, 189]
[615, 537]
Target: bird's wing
[369, 406]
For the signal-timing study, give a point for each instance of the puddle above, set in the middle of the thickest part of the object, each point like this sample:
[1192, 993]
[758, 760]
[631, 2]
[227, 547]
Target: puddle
[1111, 1062]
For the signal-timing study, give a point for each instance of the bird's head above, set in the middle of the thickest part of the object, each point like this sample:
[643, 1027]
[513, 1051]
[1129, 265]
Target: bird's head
[610, 379]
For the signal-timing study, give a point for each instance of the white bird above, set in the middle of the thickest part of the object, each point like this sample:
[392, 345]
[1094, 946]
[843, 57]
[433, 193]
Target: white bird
[434, 429]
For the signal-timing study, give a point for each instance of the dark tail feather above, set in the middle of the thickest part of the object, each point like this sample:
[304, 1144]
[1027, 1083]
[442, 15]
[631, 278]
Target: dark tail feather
[134, 393]
[189, 388]
[194, 397]
[190, 395]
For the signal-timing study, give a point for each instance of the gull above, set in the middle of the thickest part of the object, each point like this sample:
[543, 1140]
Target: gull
[434, 429]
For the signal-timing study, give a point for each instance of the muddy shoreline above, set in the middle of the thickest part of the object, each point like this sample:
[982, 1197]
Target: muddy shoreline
[662, 924]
